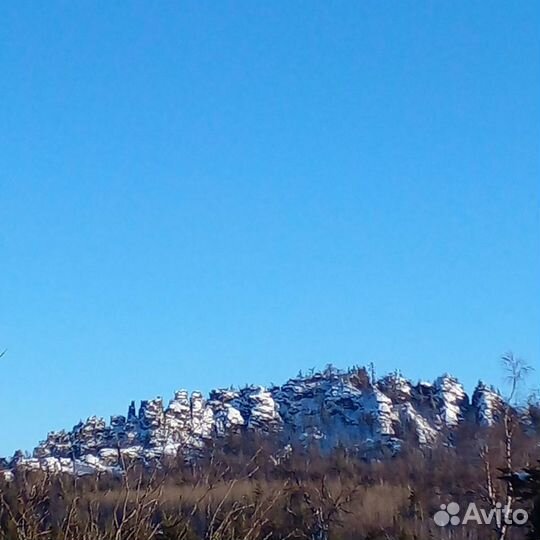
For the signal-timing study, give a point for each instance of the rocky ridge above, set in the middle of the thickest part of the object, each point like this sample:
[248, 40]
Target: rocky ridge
[327, 408]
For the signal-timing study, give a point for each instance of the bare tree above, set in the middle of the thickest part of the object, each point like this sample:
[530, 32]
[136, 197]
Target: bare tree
[516, 371]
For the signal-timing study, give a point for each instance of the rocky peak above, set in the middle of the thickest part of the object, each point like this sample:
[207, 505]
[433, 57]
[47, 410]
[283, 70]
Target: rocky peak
[488, 404]
[327, 409]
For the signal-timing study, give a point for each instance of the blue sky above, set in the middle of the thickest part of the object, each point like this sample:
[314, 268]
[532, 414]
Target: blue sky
[199, 194]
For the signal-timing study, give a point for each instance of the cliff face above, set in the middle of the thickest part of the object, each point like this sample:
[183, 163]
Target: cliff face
[328, 408]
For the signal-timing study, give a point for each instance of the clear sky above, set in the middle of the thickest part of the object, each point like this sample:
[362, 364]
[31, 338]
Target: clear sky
[199, 194]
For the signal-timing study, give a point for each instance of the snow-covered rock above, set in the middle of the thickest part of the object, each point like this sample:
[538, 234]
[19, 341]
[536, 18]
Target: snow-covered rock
[488, 404]
[328, 409]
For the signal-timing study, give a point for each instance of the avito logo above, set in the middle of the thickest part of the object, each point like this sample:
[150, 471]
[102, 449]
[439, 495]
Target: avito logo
[449, 514]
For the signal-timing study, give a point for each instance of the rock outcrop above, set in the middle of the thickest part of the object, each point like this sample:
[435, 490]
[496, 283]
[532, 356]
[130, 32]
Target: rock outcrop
[328, 409]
